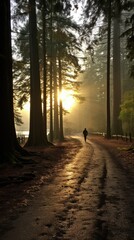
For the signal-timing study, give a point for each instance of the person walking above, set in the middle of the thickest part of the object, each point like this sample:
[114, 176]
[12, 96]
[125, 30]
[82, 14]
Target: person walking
[85, 133]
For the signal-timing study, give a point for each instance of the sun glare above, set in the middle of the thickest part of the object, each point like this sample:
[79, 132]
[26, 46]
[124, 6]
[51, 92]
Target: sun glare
[27, 106]
[68, 100]
[66, 96]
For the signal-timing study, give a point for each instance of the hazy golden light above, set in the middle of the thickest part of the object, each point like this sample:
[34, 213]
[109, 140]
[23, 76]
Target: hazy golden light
[27, 106]
[66, 96]
[68, 100]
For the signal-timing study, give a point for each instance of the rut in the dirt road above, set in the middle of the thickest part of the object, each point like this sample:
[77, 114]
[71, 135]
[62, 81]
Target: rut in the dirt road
[117, 196]
[101, 226]
[67, 218]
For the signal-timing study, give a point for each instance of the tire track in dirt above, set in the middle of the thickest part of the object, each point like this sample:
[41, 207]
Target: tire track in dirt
[66, 218]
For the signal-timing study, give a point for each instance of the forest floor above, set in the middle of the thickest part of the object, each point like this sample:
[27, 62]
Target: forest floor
[21, 182]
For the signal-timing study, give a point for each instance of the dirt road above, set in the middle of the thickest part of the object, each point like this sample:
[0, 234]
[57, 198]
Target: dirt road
[89, 198]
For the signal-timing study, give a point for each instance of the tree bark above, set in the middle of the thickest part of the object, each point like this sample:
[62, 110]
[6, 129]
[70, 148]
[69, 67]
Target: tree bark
[108, 71]
[6, 86]
[61, 135]
[44, 70]
[36, 132]
[56, 120]
[51, 79]
[117, 125]
[9, 146]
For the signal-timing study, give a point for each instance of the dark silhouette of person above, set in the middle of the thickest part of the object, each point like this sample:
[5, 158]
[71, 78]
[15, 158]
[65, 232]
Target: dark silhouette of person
[85, 133]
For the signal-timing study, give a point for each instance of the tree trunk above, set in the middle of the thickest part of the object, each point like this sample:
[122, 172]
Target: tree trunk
[6, 95]
[44, 70]
[9, 145]
[36, 132]
[51, 79]
[61, 136]
[56, 120]
[117, 126]
[108, 70]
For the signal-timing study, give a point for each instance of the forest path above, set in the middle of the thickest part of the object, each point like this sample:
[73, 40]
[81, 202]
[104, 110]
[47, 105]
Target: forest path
[86, 199]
